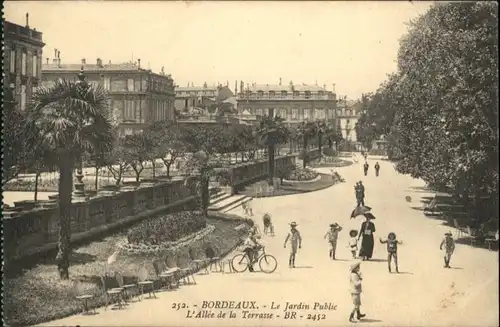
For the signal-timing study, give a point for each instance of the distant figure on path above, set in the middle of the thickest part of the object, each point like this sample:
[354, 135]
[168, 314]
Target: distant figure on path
[353, 242]
[365, 168]
[392, 249]
[377, 168]
[295, 241]
[365, 155]
[367, 243]
[359, 190]
[355, 279]
[268, 225]
[448, 245]
[332, 235]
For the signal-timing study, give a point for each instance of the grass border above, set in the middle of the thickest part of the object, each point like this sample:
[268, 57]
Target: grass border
[99, 302]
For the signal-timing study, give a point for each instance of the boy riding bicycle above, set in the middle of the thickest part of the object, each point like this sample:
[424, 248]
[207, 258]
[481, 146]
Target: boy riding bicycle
[252, 247]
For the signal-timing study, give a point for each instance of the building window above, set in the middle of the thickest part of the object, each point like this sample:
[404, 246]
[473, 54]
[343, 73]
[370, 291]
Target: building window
[272, 94]
[295, 114]
[260, 93]
[13, 61]
[258, 112]
[23, 64]
[284, 94]
[348, 112]
[35, 65]
[23, 97]
[321, 93]
[283, 113]
[129, 110]
[107, 83]
[296, 93]
[129, 131]
[308, 94]
[331, 113]
[130, 84]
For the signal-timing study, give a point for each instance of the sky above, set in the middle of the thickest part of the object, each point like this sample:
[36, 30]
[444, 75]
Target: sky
[350, 44]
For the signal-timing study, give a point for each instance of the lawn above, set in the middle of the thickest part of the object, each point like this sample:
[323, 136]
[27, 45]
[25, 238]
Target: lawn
[36, 295]
[261, 189]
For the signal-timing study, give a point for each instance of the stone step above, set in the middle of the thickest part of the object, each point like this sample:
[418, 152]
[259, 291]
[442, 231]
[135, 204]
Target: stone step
[237, 204]
[220, 197]
[226, 203]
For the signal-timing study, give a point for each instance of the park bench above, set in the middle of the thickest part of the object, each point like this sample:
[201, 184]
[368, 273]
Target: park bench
[491, 240]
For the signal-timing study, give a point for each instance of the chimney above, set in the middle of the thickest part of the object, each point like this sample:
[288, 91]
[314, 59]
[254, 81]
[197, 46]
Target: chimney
[333, 89]
[280, 80]
[139, 63]
[84, 61]
[162, 70]
[99, 62]
[55, 53]
[235, 87]
[27, 20]
[47, 60]
[58, 58]
[205, 85]
[109, 62]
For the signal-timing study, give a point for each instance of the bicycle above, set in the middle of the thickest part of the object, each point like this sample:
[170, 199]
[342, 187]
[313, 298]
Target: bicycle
[267, 262]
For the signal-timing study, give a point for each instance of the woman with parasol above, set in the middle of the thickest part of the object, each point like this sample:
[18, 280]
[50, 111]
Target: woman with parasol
[366, 231]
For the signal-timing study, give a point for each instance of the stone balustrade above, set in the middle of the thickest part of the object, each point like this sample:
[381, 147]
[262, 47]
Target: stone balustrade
[32, 227]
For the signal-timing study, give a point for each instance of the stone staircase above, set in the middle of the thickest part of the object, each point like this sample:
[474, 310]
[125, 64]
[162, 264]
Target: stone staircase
[224, 202]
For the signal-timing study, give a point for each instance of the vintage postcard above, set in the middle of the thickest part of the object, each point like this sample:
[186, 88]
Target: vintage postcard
[250, 163]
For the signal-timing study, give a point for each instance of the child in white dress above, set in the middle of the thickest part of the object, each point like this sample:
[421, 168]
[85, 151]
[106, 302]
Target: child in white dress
[353, 242]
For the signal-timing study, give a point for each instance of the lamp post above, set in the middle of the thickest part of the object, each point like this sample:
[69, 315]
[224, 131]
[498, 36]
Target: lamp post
[79, 192]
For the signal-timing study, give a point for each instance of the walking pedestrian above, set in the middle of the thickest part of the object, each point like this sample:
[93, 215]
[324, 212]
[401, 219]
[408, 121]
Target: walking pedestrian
[377, 168]
[365, 167]
[448, 245]
[367, 243]
[362, 192]
[268, 225]
[392, 250]
[295, 241]
[355, 279]
[353, 242]
[332, 235]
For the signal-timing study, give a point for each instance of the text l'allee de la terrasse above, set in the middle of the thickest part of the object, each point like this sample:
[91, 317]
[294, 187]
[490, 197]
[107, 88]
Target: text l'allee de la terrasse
[313, 311]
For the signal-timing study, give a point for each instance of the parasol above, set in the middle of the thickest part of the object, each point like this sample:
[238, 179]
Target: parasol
[361, 210]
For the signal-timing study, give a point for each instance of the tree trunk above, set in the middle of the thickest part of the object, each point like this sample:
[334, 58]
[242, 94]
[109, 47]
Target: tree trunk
[96, 178]
[167, 165]
[66, 163]
[37, 175]
[270, 158]
[205, 196]
[320, 145]
[153, 163]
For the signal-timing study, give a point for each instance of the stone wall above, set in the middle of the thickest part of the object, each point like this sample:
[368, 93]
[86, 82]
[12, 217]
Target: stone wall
[244, 174]
[29, 230]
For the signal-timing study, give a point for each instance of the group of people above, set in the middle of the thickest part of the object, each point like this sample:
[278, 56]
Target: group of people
[366, 166]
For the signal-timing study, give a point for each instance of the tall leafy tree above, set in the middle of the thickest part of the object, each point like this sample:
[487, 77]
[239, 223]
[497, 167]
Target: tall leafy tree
[170, 143]
[137, 152]
[69, 118]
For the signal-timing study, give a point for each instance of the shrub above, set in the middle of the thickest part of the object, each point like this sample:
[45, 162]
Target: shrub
[329, 152]
[166, 228]
[301, 174]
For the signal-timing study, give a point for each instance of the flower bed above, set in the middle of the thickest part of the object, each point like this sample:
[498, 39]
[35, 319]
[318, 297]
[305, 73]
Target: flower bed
[301, 175]
[166, 228]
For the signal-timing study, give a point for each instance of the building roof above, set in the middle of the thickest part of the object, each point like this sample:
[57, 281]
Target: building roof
[286, 87]
[196, 88]
[127, 66]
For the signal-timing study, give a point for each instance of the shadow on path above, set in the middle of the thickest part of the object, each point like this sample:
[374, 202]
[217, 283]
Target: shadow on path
[368, 320]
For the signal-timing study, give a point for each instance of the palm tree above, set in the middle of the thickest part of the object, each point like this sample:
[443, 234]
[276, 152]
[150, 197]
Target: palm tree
[305, 131]
[272, 131]
[70, 118]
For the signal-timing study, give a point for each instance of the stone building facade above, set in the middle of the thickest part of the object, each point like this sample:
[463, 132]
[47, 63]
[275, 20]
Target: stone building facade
[22, 61]
[200, 96]
[139, 97]
[295, 103]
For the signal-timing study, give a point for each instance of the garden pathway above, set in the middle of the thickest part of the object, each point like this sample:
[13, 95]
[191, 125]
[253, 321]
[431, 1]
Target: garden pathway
[423, 294]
